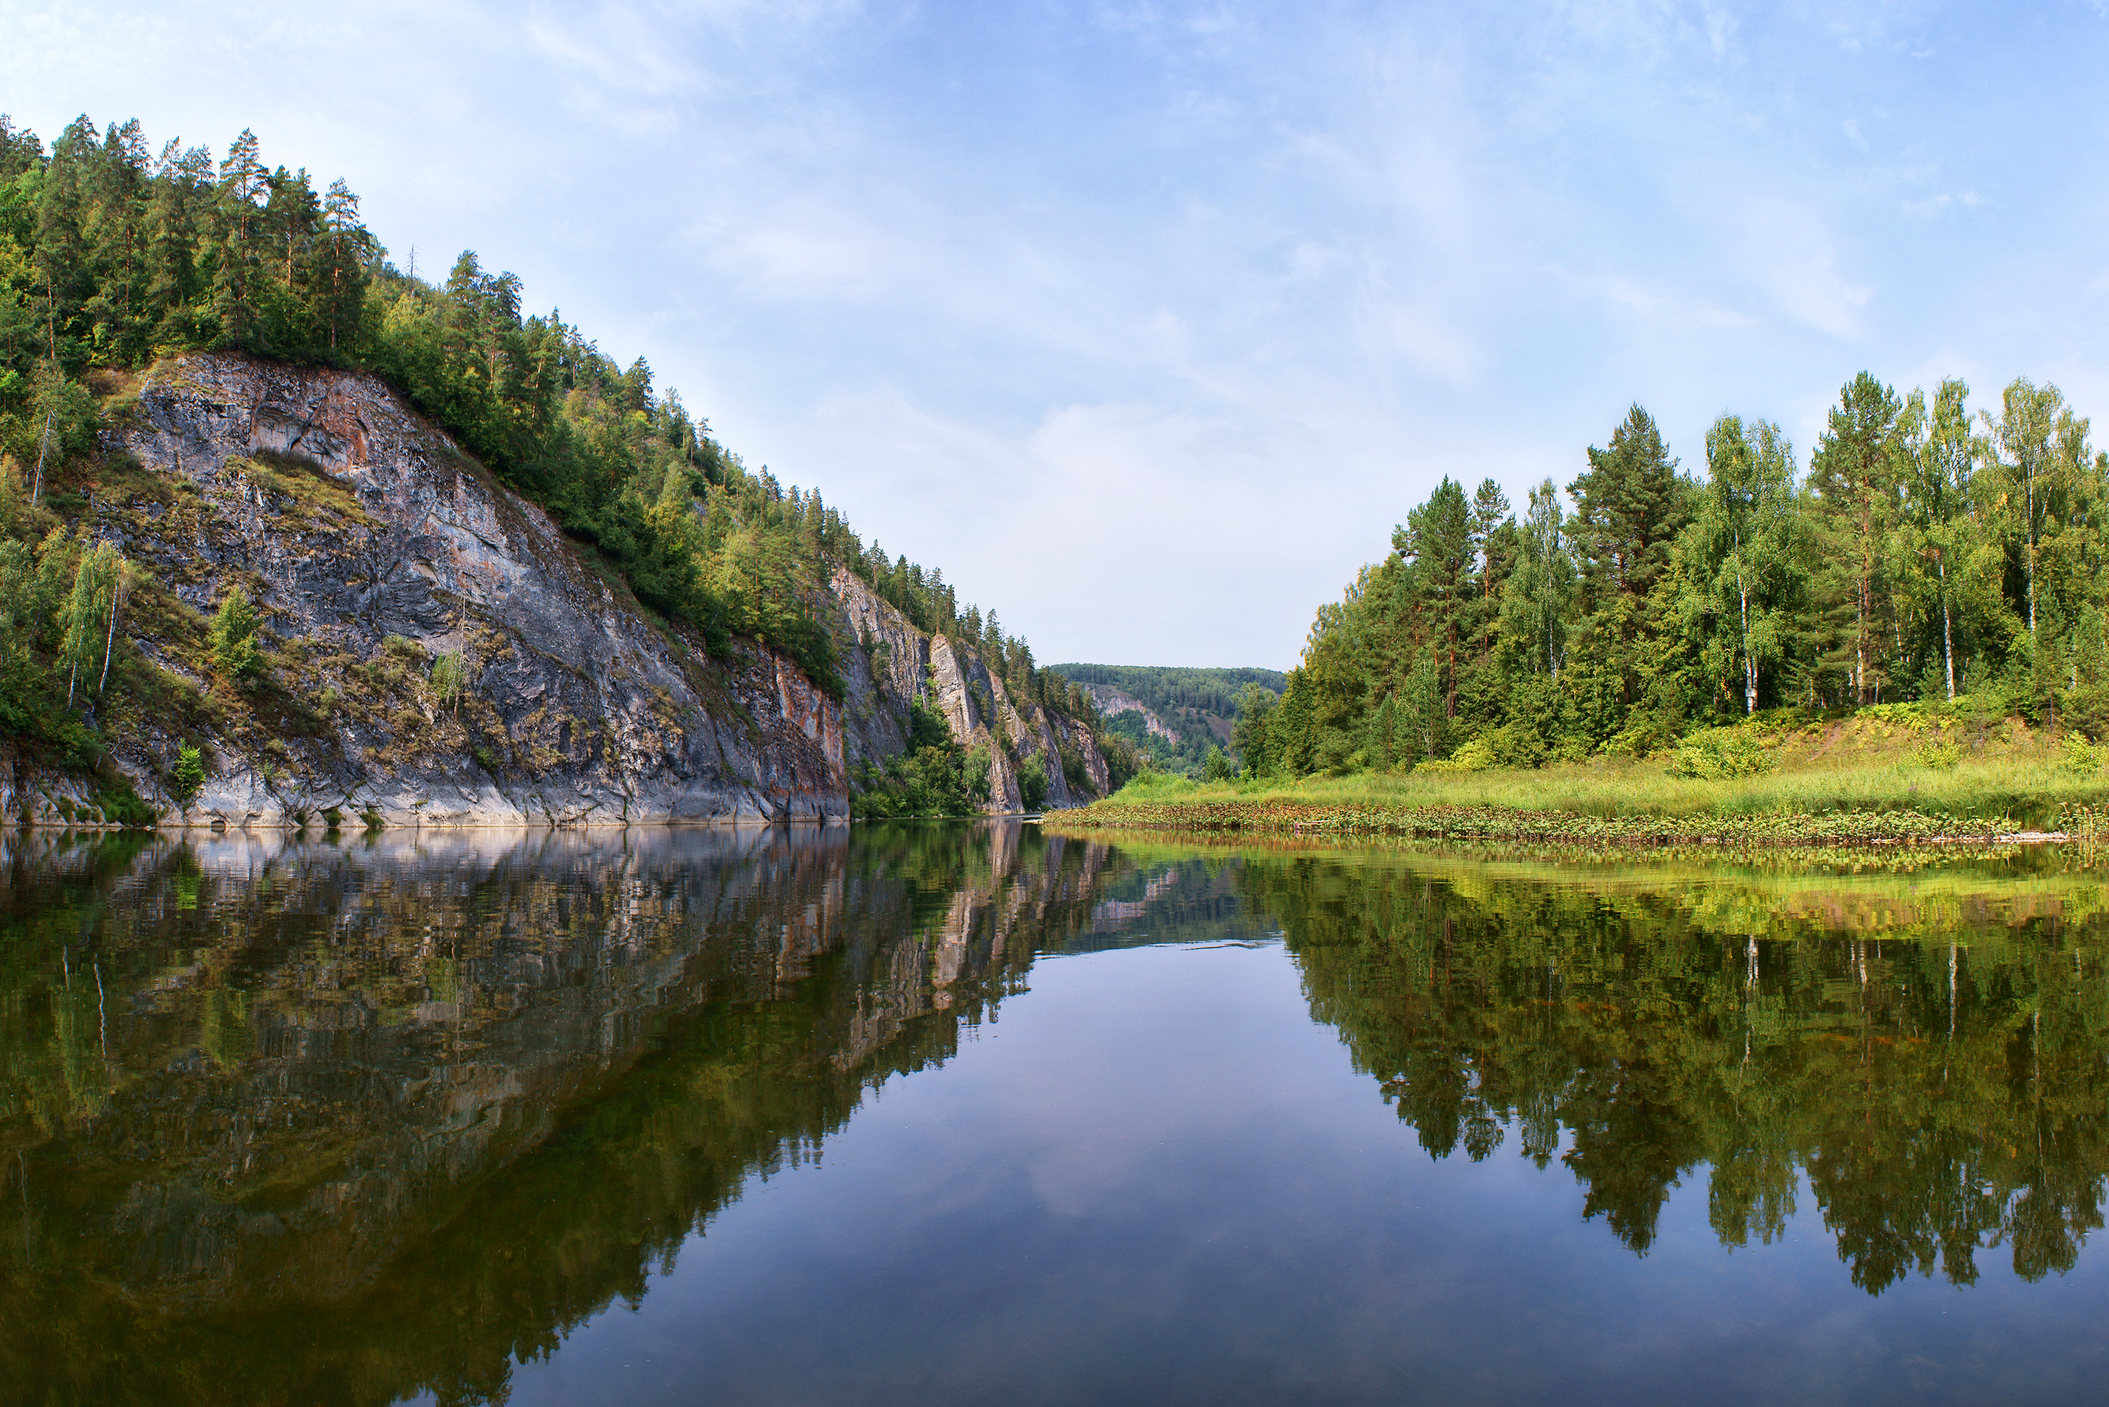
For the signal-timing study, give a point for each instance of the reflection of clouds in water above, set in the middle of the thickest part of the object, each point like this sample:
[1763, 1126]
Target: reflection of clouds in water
[1177, 1073]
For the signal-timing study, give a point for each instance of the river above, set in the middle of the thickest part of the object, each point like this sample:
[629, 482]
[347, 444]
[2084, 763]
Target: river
[970, 1113]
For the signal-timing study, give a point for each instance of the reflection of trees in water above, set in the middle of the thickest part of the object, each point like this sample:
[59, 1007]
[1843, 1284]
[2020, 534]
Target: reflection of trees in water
[1942, 1090]
[340, 1124]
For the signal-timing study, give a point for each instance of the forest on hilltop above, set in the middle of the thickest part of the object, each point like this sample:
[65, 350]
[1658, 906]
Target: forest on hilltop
[1199, 705]
[112, 257]
[1927, 554]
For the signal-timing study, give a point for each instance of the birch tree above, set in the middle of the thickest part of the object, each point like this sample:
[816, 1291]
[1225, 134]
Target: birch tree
[1749, 552]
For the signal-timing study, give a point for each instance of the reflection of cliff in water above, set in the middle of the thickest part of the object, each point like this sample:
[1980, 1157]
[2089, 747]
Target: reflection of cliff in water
[306, 1122]
[1928, 1051]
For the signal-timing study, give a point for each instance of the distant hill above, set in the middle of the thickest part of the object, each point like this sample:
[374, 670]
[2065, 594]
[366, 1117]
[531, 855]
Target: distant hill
[1171, 715]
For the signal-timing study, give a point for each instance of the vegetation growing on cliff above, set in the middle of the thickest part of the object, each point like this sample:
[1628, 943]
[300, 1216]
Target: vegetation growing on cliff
[936, 776]
[1926, 555]
[112, 257]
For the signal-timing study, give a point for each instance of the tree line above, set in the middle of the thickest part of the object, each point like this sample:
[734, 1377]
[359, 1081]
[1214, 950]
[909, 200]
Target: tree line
[1928, 551]
[112, 256]
[1189, 702]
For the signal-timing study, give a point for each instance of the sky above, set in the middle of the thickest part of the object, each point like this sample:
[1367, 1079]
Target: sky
[1146, 322]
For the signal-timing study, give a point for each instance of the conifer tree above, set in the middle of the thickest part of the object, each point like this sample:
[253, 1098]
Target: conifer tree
[1854, 478]
[243, 185]
[1630, 504]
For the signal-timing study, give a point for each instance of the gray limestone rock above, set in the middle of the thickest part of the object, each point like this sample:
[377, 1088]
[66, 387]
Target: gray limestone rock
[373, 547]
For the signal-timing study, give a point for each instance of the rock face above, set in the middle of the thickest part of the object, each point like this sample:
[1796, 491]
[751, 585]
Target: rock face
[375, 549]
[891, 662]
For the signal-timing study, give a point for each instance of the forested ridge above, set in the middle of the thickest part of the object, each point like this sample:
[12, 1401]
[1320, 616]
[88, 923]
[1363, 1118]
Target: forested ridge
[113, 257]
[1930, 552]
[1199, 705]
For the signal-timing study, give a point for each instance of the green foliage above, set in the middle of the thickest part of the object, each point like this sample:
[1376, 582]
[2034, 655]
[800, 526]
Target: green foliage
[122, 806]
[235, 652]
[1032, 782]
[934, 777]
[1924, 558]
[187, 777]
[448, 676]
[1250, 735]
[1715, 753]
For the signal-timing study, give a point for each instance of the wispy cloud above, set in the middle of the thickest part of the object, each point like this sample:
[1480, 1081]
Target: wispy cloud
[1181, 304]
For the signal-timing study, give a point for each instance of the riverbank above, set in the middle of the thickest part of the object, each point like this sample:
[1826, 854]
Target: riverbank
[1857, 781]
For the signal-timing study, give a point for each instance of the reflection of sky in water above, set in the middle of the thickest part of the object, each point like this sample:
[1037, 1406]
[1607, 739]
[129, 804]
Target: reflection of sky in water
[968, 1114]
[1156, 1179]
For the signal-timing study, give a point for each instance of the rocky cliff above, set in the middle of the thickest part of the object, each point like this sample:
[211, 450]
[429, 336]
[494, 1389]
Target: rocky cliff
[375, 550]
[891, 662]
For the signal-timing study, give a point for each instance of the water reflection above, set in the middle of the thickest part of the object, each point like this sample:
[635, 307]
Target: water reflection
[1927, 1051]
[506, 1079]
[321, 1122]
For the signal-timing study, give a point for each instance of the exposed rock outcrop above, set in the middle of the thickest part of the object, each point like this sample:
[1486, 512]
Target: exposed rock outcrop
[375, 549]
[892, 662]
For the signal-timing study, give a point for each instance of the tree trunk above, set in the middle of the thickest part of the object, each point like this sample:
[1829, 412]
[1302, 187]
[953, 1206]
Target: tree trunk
[2032, 555]
[1947, 629]
[36, 492]
[1749, 660]
[110, 640]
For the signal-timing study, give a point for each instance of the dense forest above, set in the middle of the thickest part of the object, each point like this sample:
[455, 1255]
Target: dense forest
[1198, 705]
[1926, 554]
[112, 257]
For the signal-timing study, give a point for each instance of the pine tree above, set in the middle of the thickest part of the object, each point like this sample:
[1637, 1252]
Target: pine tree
[1629, 507]
[1436, 544]
[1854, 478]
[239, 257]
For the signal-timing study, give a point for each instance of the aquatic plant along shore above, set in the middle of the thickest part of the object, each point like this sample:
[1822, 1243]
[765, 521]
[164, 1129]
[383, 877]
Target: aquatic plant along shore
[1887, 775]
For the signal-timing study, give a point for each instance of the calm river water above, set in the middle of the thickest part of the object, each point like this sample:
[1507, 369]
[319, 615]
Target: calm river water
[965, 1113]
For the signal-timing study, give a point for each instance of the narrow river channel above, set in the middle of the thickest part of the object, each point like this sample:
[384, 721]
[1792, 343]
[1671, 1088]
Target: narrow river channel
[969, 1113]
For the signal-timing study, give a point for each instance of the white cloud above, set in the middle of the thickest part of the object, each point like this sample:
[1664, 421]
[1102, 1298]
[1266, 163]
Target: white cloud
[1145, 322]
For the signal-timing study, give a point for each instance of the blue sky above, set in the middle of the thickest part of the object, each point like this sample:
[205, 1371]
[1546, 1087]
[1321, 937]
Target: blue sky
[1147, 322]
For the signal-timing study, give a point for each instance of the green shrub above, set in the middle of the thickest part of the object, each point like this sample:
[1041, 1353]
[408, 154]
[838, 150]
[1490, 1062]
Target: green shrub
[1474, 755]
[188, 776]
[448, 677]
[234, 649]
[121, 805]
[1722, 752]
[1032, 782]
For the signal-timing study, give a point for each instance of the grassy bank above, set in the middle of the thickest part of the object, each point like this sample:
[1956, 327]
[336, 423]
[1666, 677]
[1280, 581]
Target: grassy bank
[1882, 775]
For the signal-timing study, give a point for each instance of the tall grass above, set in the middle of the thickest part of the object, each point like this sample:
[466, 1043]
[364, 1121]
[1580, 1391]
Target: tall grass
[2013, 787]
